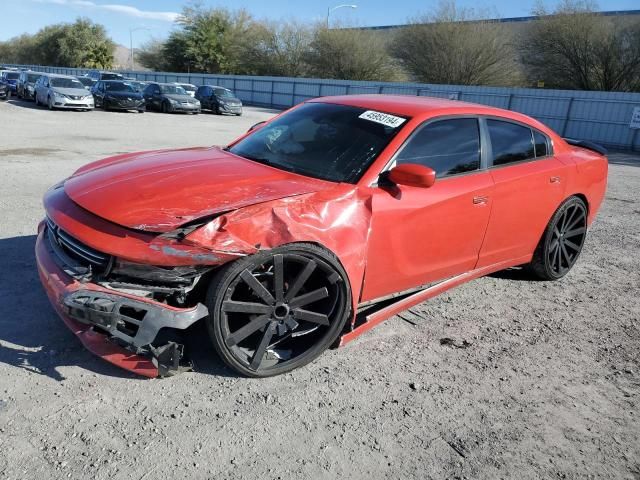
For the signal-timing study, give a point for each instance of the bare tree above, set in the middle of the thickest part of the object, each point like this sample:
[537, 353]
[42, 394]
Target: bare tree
[456, 46]
[351, 54]
[278, 49]
[574, 47]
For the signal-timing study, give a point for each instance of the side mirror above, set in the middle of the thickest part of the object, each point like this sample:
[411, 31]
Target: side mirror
[413, 175]
[256, 125]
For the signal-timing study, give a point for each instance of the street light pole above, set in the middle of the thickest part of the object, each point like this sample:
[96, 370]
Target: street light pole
[131, 30]
[331, 9]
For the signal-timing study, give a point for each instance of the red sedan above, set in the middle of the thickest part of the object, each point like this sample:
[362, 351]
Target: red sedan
[309, 229]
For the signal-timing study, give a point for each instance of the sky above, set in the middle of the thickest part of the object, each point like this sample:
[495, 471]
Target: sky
[154, 18]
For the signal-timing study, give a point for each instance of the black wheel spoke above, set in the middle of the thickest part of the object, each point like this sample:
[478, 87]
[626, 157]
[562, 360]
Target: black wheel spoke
[308, 298]
[245, 307]
[565, 255]
[579, 219]
[312, 317]
[571, 245]
[557, 260]
[251, 327]
[300, 280]
[258, 355]
[575, 232]
[553, 245]
[257, 287]
[556, 232]
[567, 218]
[278, 279]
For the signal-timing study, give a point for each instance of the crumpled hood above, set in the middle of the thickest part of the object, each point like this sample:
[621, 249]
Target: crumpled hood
[161, 190]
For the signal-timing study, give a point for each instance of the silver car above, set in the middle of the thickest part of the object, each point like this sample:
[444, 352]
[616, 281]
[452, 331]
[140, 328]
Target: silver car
[62, 91]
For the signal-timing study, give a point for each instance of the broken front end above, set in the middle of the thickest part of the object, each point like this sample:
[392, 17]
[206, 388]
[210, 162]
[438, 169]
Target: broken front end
[126, 299]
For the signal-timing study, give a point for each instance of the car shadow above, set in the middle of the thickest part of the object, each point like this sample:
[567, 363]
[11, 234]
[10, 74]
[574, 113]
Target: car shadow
[33, 337]
[24, 103]
[515, 273]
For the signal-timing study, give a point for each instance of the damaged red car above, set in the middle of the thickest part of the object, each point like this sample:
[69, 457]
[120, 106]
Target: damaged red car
[309, 229]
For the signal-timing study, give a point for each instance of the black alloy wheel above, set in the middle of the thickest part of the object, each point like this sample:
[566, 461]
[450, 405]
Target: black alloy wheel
[275, 311]
[562, 241]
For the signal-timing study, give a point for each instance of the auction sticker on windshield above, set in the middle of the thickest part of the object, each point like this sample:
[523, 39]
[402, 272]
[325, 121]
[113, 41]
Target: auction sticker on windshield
[382, 118]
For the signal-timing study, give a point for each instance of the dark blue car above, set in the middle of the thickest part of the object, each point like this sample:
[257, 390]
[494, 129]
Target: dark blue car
[11, 78]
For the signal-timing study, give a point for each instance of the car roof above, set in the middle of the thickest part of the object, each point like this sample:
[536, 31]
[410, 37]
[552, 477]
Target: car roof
[417, 106]
[57, 75]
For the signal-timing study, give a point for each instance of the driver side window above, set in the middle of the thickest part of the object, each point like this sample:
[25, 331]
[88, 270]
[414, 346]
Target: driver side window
[449, 147]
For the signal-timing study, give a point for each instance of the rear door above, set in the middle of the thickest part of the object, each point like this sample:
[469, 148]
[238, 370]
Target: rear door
[530, 184]
[421, 235]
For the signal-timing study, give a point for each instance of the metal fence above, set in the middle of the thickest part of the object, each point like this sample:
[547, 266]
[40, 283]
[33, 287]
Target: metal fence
[602, 117]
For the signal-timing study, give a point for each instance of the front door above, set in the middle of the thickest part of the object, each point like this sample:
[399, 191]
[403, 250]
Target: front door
[422, 235]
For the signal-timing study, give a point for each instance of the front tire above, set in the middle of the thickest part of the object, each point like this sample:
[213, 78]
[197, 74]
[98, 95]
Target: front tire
[561, 242]
[275, 311]
[49, 103]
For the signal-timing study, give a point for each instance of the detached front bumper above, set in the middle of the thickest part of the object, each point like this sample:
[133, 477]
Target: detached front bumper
[119, 328]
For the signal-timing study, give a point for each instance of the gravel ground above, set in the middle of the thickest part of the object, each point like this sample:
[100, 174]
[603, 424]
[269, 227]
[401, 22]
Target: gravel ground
[547, 384]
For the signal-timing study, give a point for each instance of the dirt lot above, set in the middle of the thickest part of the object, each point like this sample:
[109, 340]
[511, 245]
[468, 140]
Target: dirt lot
[549, 386]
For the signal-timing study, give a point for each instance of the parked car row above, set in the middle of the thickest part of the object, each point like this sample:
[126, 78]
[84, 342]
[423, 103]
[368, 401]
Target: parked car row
[113, 91]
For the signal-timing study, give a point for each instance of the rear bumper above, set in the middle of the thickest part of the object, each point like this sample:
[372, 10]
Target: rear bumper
[118, 328]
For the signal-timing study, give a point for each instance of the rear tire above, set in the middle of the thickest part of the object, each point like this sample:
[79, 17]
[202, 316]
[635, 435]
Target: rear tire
[275, 311]
[562, 241]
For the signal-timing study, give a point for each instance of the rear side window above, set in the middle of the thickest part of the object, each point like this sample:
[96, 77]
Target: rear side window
[447, 146]
[510, 142]
[541, 144]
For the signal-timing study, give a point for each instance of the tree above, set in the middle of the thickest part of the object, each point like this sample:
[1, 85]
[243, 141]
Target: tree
[350, 54]
[214, 38]
[277, 49]
[79, 44]
[456, 46]
[151, 55]
[576, 48]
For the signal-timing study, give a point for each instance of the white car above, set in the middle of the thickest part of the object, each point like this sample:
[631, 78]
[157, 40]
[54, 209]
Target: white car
[188, 87]
[62, 91]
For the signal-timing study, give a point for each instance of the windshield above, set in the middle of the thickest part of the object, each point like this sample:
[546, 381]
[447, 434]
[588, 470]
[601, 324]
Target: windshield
[32, 77]
[172, 89]
[66, 83]
[188, 88]
[321, 140]
[118, 87]
[11, 75]
[111, 76]
[138, 86]
[86, 81]
[223, 92]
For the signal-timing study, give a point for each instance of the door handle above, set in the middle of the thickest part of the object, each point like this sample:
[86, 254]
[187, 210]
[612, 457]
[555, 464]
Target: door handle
[480, 200]
[554, 179]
